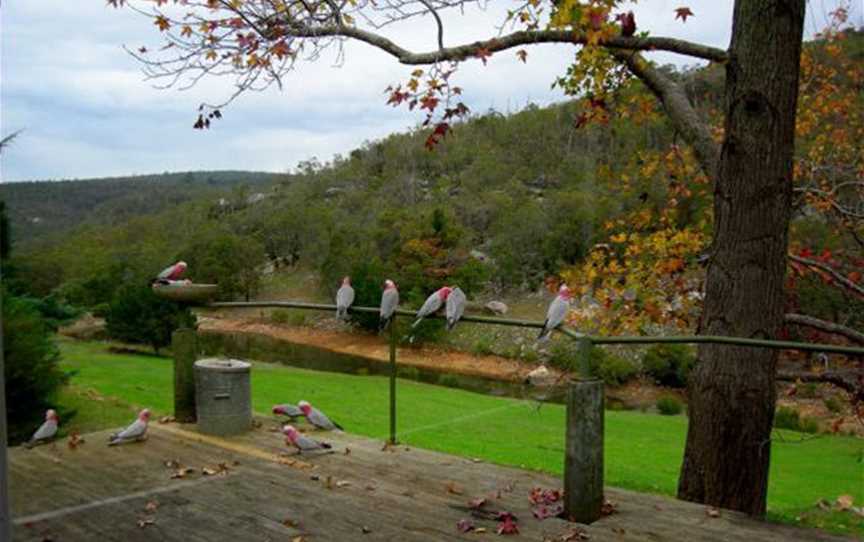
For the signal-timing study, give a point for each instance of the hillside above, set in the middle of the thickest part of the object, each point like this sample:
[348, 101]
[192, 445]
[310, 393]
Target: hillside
[40, 209]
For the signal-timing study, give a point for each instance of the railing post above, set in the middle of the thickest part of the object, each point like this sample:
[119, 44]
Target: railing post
[393, 380]
[184, 345]
[583, 460]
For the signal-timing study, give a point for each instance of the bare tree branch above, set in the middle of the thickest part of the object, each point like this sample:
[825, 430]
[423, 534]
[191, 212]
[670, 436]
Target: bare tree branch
[831, 271]
[845, 379]
[692, 126]
[824, 325]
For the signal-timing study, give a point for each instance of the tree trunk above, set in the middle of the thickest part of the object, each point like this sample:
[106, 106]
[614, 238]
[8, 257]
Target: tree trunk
[732, 391]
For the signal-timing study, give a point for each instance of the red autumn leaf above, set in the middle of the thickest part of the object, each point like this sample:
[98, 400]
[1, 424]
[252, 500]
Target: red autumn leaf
[508, 526]
[628, 23]
[429, 102]
[483, 54]
[280, 49]
[683, 13]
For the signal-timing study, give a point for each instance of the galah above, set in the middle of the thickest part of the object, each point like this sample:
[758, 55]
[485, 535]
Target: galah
[172, 272]
[432, 304]
[557, 312]
[316, 417]
[137, 430]
[47, 431]
[287, 410]
[455, 306]
[302, 443]
[389, 302]
[344, 298]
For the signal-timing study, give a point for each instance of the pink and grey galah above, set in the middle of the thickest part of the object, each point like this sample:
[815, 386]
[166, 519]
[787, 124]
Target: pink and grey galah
[344, 298]
[171, 273]
[316, 417]
[301, 442]
[433, 303]
[389, 303]
[137, 430]
[47, 431]
[557, 312]
[287, 410]
[455, 306]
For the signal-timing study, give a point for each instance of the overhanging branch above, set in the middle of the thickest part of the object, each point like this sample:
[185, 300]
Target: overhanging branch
[831, 271]
[824, 325]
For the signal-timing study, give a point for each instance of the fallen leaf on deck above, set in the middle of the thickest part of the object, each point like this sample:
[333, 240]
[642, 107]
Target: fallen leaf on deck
[172, 463]
[166, 419]
[577, 534]
[290, 523]
[347, 450]
[151, 506]
[370, 487]
[539, 495]
[145, 522]
[343, 483]
[366, 530]
[464, 526]
[712, 512]
[207, 471]
[182, 472]
[508, 526]
[256, 424]
[315, 477]
[75, 440]
[476, 460]
[298, 539]
[608, 508]
[480, 530]
[619, 530]
[328, 483]
[453, 488]
[295, 463]
[477, 504]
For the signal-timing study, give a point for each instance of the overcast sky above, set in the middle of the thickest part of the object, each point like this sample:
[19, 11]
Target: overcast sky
[86, 111]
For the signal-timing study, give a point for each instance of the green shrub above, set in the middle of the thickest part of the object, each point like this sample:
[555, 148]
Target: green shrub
[280, 316]
[669, 364]
[31, 367]
[449, 380]
[615, 370]
[669, 405]
[483, 346]
[808, 425]
[808, 391]
[787, 418]
[101, 310]
[834, 405]
[408, 373]
[137, 315]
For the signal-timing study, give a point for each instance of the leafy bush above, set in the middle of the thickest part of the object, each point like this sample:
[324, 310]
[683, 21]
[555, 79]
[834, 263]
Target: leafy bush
[808, 390]
[786, 418]
[669, 405]
[137, 315]
[808, 425]
[285, 316]
[834, 405]
[101, 310]
[31, 370]
[669, 364]
[615, 370]
[483, 346]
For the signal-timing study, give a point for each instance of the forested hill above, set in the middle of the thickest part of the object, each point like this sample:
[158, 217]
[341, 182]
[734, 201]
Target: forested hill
[42, 208]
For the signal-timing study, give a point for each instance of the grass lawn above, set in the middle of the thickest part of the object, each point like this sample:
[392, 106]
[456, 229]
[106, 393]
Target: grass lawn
[643, 451]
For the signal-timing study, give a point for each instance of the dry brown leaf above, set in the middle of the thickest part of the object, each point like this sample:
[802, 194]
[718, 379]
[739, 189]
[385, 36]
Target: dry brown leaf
[151, 507]
[343, 483]
[370, 487]
[167, 419]
[290, 523]
[75, 440]
[454, 488]
[347, 450]
[844, 502]
[479, 530]
[172, 463]
[298, 539]
[182, 472]
[366, 530]
[207, 471]
[145, 522]
[712, 512]
[608, 508]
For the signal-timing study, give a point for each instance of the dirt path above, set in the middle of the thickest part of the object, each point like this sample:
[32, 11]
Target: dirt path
[376, 347]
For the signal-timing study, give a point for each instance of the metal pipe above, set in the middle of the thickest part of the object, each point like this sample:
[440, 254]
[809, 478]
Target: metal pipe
[677, 339]
[393, 382]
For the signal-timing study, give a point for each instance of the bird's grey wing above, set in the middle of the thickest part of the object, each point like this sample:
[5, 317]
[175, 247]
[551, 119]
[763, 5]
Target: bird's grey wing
[136, 430]
[319, 419]
[455, 305]
[291, 410]
[389, 302]
[47, 430]
[557, 312]
[349, 296]
[432, 304]
[166, 272]
[307, 444]
[344, 296]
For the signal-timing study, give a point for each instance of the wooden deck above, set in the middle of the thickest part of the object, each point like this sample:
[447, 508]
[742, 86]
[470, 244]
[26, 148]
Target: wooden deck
[96, 493]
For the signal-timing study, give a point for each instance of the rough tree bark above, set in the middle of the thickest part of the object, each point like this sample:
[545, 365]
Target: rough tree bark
[732, 392]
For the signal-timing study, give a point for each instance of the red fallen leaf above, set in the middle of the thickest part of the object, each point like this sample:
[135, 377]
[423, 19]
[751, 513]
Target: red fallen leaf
[151, 507]
[683, 13]
[145, 522]
[465, 526]
[628, 23]
[504, 516]
[508, 526]
[712, 512]
[483, 54]
[608, 508]
[75, 440]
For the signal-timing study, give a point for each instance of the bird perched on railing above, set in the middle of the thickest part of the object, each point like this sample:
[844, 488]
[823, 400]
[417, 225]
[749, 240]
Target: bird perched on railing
[455, 306]
[389, 303]
[287, 410]
[432, 304]
[137, 430]
[47, 431]
[557, 312]
[344, 298]
[301, 442]
[316, 417]
[171, 274]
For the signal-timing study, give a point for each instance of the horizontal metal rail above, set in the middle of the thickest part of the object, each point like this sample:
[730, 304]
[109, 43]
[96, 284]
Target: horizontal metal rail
[595, 339]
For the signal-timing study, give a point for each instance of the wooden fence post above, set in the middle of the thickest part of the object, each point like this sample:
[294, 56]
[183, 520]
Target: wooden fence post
[393, 380]
[184, 345]
[583, 460]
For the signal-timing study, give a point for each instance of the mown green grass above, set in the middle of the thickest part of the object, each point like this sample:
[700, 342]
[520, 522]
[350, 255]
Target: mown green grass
[643, 451]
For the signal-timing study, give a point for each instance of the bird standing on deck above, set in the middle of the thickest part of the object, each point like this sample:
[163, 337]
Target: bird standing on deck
[136, 431]
[316, 417]
[455, 306]
[302, 443]
[287, 410]
[432, 304]
[344, 298]
[557, 312]
[171, 273]
[389, 303]
[47, 431]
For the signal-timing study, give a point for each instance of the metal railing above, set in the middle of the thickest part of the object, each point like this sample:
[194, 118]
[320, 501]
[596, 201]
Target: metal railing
[583, 461]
